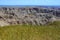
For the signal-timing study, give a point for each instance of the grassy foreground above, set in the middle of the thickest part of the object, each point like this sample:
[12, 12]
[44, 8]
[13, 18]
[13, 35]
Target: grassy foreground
[50, 31]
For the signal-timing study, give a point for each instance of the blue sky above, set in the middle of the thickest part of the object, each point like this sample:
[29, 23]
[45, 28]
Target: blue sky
[30, 2]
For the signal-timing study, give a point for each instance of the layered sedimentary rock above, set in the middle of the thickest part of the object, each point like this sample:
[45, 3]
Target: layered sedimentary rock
[33, 16]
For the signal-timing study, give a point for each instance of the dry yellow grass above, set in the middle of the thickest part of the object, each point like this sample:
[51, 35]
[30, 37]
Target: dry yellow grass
[29, 32]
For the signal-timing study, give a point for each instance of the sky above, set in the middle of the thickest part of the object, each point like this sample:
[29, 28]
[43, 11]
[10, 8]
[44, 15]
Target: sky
[30, 2]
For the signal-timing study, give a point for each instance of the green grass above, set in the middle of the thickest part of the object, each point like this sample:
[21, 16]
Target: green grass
[50, 31]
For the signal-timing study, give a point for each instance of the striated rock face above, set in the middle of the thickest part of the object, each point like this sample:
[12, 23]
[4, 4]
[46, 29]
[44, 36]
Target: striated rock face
[33, 16]
[3, 23]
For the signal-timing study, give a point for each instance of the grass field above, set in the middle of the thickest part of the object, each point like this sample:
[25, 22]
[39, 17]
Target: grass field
[50, 31]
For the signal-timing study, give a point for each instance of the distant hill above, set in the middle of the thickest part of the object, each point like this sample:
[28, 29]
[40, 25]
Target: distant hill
[34, 15]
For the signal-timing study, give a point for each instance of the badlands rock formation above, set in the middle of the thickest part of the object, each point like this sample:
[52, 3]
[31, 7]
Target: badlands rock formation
[27, 15]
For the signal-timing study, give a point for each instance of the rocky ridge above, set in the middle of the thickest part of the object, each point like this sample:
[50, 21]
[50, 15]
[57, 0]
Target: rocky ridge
[33, 15]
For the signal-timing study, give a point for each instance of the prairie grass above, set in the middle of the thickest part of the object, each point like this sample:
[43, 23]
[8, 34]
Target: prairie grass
[50, 31]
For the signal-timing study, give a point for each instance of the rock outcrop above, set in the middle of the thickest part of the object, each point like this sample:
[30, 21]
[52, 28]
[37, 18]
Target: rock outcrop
[33, 16]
